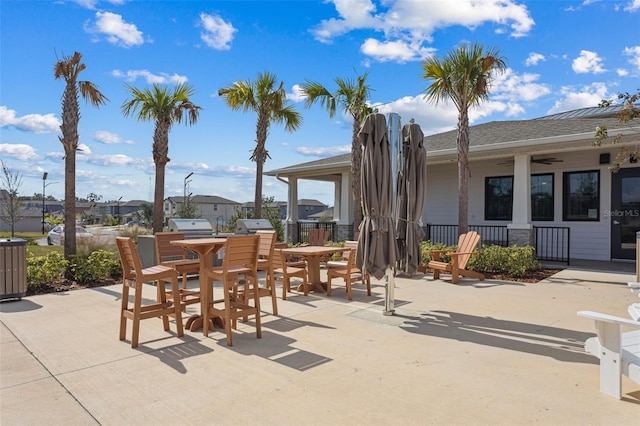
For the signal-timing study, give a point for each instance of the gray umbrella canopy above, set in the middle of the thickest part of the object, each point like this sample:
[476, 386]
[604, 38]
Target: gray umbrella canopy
[377, 248]
[411, 186]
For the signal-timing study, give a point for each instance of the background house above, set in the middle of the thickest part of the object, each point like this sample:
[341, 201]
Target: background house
[216, 210]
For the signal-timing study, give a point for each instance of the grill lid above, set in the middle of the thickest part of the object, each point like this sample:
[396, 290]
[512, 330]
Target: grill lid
[250, 226]
[191, 226]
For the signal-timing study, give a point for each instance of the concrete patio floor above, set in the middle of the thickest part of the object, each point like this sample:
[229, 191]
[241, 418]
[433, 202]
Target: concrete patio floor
[487, 352]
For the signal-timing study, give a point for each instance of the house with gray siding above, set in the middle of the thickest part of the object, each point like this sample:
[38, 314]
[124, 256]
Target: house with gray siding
[539, 182]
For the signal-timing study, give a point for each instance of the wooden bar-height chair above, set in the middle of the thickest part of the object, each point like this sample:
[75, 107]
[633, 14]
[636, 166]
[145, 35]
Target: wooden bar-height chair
[175, 257]
[133, 276]
[347, 270]
[284, 272]
[240, 258]
[265, 263]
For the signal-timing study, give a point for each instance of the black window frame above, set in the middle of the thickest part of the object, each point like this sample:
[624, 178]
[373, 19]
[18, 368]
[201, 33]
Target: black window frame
[539, 217]
[566, 194]
[488, 200]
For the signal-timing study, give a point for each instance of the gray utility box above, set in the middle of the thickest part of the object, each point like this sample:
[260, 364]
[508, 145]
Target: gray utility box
[250, 226]
[13, 268]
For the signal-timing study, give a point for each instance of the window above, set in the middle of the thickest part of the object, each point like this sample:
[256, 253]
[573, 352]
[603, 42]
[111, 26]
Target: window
[498, 200]
[542, 197]
[581, 195]
[215, 207]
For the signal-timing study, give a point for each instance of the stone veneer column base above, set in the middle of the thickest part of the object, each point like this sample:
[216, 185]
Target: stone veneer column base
[520, 235]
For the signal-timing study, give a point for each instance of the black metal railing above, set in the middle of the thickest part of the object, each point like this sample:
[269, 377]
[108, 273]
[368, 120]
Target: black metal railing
[448, 234]
[552, 243]
[305, 227]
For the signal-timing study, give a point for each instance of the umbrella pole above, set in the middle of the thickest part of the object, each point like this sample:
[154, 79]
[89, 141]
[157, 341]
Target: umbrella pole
[395, 145]
[389, 286]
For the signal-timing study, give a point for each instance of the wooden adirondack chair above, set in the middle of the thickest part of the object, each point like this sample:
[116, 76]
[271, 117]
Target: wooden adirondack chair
[318, 237]
[467, 244]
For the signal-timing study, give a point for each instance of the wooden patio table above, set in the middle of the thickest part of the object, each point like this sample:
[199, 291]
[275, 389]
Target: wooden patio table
[313, 254]
[205, 248]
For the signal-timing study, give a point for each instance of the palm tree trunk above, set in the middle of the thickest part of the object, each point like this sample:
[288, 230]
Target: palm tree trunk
[69, 140]
[260, 156]
[160, 158]
[70, 203]
[463, 171]
[356, 166]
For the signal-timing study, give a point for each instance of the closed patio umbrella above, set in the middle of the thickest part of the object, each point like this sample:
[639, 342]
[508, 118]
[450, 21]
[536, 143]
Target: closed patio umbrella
[411, 185]
[377, 250]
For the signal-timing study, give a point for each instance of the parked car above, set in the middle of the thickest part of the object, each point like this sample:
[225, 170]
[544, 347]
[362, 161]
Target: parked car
[56, 235]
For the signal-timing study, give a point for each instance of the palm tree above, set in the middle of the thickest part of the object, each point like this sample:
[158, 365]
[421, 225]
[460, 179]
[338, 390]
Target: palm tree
[464, 77]
[68, 68]
[351, 96]
[268, 99]
[165, 107]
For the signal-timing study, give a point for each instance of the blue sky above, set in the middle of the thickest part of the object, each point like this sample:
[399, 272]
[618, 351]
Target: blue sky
[561, 55]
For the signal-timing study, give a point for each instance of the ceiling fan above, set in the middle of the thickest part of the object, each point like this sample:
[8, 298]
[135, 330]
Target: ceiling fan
[544, 160]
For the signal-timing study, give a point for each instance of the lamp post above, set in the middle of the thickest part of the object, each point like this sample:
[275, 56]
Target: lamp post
[185, 199]
[44, 179]
[119, 210]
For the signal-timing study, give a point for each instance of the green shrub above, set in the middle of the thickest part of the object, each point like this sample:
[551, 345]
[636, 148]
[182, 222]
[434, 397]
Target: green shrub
[45, 269]
[99, 265]
[514, 261]
[427, 246]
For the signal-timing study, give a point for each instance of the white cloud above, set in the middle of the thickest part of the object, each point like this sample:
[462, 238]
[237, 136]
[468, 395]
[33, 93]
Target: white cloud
[408, 24]
[83, 149]
[162, 78]
[323, 151]
[582, 97]
[399, 51]
[87, 4]
[113, 160]
[622, 72]
[431, 118]
[109, 138]
[18, 151]
[634, 56]
[115, 30]
[534, 58]
[588, 62]
[633, 6]
[296, 94]
[511, 87]
[217, 33]
[35, 123]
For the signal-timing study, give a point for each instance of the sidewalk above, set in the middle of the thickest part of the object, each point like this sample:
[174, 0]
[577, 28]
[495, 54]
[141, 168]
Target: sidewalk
[489, 352]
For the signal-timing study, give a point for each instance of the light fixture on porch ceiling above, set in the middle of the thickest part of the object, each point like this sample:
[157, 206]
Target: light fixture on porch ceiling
[542, 160]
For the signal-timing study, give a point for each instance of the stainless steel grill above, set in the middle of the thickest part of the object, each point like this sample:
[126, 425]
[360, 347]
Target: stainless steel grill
[192, 228]
[250, 226]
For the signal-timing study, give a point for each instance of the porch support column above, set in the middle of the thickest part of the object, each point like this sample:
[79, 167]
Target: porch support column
[520, 230]
[344, 207]
[292, 211]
